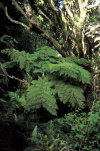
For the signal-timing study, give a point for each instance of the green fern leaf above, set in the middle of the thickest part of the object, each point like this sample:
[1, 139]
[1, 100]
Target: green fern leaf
[70, 70]
[34, 132]
[77, 60]
[15, 97]
[48, 52]
[40, 94]
[46, 60]
[70, 94]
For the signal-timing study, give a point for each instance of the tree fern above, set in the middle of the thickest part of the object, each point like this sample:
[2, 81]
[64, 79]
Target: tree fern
[40, 94]
[70, 94]
[67, 93]
[70, 70]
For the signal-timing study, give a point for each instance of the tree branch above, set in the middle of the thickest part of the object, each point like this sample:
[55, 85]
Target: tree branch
[21, 11]
[19, 8]
[46, 35]
[44, 15]
[97, 39]
[83, 11]
[52, 4]
[97, 3]
[92, 29]
[15, 21]
[97, 46]
[58, 12]
[68, 11]
[13, 77]
[35, 22]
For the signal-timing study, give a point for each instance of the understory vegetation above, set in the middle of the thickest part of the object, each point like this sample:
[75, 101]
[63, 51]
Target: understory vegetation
[49, 76]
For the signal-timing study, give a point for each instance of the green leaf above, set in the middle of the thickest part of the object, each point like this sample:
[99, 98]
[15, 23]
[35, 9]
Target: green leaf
[40, 94]
[34, 132]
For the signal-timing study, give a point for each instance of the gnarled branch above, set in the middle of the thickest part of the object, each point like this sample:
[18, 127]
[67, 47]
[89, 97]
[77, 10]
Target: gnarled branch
[33, 21]
[15, 21]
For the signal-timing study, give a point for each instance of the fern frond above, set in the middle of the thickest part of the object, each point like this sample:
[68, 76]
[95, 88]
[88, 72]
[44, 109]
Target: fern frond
[43, 56]
[40, 94]
[8, 40]
[9, 64]
[15, 97]
[16, 56]
[49, 60]
[70, 70]
[34, 61]
[48, 51]
[70, 94]
[77, 60]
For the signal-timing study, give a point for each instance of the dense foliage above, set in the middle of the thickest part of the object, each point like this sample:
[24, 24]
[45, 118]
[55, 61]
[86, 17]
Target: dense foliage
[75, 131]
[49, 75]
[52, 68]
